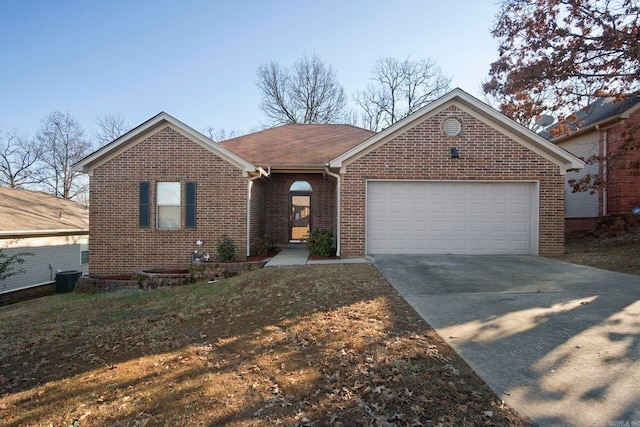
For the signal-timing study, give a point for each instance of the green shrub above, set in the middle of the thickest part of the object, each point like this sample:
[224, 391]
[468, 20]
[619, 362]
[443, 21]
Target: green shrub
[320, 242]
[264, 246]
[226, 249]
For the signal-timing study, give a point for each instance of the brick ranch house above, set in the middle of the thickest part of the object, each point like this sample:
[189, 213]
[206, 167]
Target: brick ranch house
[598, 131]
[455, 177]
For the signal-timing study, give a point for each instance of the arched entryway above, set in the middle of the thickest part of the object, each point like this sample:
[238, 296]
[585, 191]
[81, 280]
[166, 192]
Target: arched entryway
[300, 193]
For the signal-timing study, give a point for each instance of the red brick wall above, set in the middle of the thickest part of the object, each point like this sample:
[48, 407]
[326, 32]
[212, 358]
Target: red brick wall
[623, 188]
[323, 203]
[118, 245]
[424, 153]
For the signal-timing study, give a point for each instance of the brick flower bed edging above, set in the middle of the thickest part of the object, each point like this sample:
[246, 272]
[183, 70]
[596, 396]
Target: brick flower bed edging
[210, 270]
[27, 294]
[148, 278]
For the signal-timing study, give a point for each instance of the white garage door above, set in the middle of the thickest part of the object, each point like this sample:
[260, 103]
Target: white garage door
[440, 217]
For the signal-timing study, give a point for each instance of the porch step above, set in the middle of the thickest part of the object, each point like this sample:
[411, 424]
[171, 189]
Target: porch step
[292, 246]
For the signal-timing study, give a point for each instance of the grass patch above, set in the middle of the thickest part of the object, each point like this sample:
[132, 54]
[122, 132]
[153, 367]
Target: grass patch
[314, 345]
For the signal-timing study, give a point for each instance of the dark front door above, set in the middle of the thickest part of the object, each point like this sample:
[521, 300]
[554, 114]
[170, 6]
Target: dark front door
[300, 217]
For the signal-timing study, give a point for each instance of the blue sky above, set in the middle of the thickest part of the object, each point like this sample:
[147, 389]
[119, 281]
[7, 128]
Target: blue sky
[197, 60]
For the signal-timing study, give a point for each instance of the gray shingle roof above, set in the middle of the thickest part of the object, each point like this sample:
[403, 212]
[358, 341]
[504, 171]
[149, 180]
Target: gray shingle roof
[602, 109]
[26, 210]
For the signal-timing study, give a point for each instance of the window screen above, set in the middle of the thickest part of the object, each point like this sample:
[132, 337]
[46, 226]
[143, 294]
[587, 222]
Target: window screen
[168, 196]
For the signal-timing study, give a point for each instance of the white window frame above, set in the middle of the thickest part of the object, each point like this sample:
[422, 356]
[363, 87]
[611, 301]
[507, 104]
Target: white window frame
[84, 248]
[168, 198]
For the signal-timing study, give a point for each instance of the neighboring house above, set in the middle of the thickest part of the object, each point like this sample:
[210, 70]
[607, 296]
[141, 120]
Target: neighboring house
[161, 187]
[597, 131]
[54, 230]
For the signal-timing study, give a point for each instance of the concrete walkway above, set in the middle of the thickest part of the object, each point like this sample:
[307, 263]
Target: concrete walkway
[300, 256]
[559, 342]
[297, 256]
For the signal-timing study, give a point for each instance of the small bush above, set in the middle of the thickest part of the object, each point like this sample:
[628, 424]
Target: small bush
[320, 242]
[264, 246]
[226, 249]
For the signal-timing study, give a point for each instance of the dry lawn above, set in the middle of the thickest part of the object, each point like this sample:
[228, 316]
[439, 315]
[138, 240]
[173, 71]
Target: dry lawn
[620, 253]
[309, 346]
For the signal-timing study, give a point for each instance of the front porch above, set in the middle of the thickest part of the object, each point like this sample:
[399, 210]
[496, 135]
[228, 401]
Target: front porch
[287, 206]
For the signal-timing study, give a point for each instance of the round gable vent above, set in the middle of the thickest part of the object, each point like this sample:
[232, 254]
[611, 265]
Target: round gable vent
[452, 127]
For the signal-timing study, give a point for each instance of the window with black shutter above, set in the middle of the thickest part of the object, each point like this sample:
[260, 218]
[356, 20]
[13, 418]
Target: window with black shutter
[143, 205]
[190, 211]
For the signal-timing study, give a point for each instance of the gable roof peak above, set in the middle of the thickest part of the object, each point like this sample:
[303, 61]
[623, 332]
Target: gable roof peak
[156, 122]
[475, 107]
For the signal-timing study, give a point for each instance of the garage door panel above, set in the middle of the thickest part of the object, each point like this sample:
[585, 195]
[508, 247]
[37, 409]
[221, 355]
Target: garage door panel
[499, 209]
[399, 207]
[417, 190]
[500, 245]
[457, 244]
[457, 208]
[498, 227]
[478, 226]
[420, 226]
[437, 245]
[519, 227]
[478, 191]
[449, 217]
[480, 246]
[436, 226]
[435, 208]
[457, 190]
[419, 207]
[518, 208]
[496, 192]
[478, 207]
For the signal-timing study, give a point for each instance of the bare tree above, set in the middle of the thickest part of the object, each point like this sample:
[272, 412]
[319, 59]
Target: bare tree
[558, 57]
[399, 89]
[309, 93]
[218, 135]
[18, 160]
[110, 127]
[62, 142]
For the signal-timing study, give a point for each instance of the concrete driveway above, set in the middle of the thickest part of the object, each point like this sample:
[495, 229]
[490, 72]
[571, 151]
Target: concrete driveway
[559, 342]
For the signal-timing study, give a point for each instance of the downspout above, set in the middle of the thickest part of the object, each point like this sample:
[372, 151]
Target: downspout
[337, 177]
[250, 179]
[604, 169]
[605, 173]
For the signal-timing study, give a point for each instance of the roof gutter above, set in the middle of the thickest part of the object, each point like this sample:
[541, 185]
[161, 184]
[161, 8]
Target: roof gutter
[290, 168]
[337, 177]
[250, 179]
[594, 126]
[17, 234]
[604, 167]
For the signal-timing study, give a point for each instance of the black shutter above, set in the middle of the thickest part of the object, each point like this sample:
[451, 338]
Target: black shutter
[143, 205]
[190, 212]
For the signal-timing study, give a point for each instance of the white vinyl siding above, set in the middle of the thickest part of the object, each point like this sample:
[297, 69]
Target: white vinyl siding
[64, 252]
[583, 204]
[450, 217]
